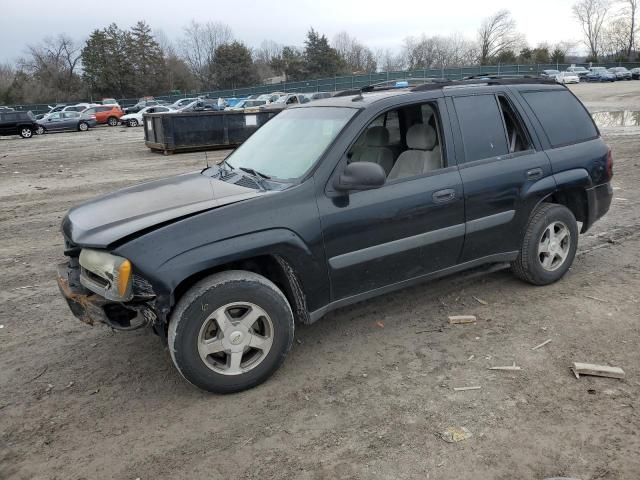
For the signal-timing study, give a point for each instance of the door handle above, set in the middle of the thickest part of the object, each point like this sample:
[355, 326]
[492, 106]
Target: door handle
[444, 196]
[534, 174]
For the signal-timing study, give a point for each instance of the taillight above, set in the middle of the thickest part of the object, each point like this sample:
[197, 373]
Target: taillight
[610, 163]
[92, 117]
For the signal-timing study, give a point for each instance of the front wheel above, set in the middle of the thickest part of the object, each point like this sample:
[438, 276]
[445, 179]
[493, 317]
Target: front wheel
[132, 122]
[230, 332]
[83, 126]
[112, 122]
[549, 245]
[40, 130]
[26, 132]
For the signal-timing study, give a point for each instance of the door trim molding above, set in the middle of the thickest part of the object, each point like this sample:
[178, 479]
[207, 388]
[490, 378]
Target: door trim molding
[490, 221]
[396, 246]
[500, 258]
[368, 254]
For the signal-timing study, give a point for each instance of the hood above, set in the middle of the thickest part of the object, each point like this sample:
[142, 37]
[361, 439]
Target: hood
[107, 219]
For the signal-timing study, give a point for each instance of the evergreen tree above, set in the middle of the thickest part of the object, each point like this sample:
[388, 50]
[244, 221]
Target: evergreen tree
[321, 59]
[146, 58]
[233, 66]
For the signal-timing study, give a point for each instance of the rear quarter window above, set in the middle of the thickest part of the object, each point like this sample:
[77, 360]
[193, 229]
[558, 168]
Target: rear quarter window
[563, 118]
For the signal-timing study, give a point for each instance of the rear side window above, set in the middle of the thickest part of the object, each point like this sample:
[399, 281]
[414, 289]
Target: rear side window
[482, 129]
[564, 119]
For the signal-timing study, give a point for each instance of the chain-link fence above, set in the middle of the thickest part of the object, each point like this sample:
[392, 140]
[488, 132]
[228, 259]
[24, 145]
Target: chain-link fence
[335, 84]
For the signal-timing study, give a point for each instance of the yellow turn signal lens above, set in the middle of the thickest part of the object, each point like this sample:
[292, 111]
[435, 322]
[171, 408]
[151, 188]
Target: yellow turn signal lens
[124, 275]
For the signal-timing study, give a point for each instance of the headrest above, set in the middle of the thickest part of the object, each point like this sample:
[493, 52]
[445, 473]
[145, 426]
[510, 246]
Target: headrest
[377, 137]
[427, 113]
[421, 137]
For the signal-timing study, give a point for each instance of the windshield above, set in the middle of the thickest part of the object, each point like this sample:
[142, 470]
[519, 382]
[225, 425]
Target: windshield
[287, 146]
[282, 99]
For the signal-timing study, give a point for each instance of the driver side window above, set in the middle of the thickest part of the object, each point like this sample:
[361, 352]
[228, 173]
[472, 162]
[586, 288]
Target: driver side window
[405, 142]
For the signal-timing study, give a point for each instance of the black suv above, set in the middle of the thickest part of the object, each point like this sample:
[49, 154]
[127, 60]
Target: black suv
[334, 202]
[18, 123]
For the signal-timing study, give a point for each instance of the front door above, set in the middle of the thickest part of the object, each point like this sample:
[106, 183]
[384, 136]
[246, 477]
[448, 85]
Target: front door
[412, 225]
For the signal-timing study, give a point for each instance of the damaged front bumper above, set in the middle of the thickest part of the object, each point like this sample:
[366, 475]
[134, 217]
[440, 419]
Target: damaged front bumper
[91, 308]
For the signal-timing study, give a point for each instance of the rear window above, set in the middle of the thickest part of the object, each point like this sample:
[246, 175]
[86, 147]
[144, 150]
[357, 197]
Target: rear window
[564, 119]
[482, 129]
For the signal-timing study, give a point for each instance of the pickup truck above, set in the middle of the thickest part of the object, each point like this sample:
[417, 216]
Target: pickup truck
[334, 202]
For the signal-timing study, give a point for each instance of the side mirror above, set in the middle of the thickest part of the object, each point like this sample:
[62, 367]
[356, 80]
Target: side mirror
[360, 176]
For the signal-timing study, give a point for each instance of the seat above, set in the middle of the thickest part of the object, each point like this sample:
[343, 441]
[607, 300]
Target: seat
[422, 156]
[375, 149]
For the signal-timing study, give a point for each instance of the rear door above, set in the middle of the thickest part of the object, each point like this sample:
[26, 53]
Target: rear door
[70, 121]
[503, 168]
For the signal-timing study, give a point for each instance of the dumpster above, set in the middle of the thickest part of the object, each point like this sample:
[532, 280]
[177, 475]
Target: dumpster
[193, 131]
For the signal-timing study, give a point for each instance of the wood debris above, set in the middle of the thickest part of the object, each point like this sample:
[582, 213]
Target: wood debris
[507, 367]
[462, 319]
[464, 389]
[480, 301]
[541, 345]
[596, 370]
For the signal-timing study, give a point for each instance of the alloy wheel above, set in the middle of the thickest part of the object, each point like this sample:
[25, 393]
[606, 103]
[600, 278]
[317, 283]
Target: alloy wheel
[554, 246]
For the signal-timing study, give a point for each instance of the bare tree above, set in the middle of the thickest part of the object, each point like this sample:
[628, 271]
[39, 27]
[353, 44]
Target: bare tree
[439, 52]
[54, 63]
[498, 34]
[591, 14]
[629, 11]
[199, 44]
[388, 61]
[357, 57]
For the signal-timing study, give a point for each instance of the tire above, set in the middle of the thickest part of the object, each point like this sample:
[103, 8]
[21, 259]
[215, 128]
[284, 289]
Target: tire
[112, 121]
[40, 130]
[194, 327]
[26, 132]
[530, 264]
[132, 122]
[83, 126]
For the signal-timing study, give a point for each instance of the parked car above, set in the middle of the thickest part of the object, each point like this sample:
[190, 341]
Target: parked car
[320, 95]
[323, 207]
[286, 101]
[181, 103]
[549, 73]
[200, 105]
[17, 123]
[6, 109]
[581, 71]
[105, 114]
[142, 104]
[135, 119]
[67, 121]
[635, 73]
[110, 101]
[247, 105]
[600, 74]
[621, 73]
[567, 77]
[79, 107]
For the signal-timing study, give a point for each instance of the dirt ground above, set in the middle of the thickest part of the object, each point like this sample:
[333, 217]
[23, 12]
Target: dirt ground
[364, 391]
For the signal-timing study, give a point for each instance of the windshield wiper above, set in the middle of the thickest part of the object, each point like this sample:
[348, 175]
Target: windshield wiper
[255, 173]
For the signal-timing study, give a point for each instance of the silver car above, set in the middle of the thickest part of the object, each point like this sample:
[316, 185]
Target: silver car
[65, 121]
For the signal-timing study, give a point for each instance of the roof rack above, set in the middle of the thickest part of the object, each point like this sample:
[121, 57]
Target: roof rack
[392, 85]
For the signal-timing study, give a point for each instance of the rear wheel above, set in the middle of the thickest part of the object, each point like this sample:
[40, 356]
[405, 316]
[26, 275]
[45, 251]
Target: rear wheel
[26, 132]
[549, 245]
[112, 121]
[230, 331]
[132, 122]
[83, 126]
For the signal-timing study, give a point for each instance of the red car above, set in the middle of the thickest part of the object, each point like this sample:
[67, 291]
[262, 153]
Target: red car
[109, 114]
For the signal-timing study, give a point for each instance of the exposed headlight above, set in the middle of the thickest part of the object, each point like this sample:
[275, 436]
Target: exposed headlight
[105, 274]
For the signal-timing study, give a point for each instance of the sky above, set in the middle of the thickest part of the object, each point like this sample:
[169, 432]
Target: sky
[377, 24]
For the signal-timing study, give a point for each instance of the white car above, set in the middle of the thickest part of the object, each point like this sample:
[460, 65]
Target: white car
[135, 119]
[79, 107]
[567, 77]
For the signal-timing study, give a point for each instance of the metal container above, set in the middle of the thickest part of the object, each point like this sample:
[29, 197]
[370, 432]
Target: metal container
[193, 131]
